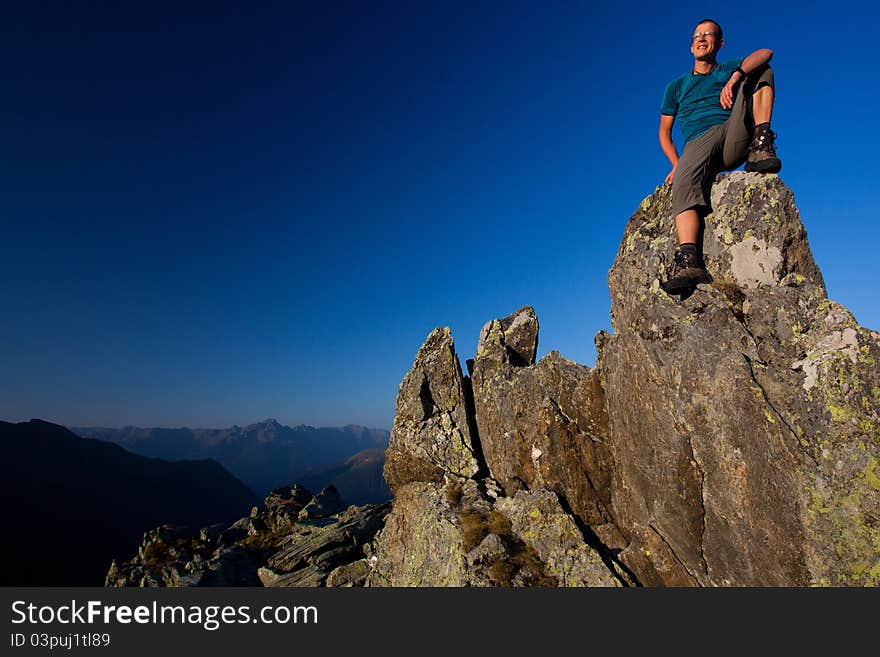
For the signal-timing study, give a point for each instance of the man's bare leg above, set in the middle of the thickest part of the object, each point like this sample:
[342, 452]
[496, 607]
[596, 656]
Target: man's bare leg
[762, 105]
[687, 225]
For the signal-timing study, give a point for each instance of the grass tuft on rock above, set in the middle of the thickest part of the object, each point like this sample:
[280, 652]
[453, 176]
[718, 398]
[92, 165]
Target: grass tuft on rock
[520, 567]
[734, 295]
[473, 530]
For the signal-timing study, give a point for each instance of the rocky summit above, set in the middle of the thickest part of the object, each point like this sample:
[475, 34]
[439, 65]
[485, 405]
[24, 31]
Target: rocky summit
[725, 437]
[728, 436]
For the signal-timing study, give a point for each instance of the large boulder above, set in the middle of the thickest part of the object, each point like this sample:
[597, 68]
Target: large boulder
[743, 426]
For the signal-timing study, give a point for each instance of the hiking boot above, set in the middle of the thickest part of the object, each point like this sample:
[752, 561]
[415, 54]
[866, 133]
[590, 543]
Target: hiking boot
[762, 152]
[685, 272]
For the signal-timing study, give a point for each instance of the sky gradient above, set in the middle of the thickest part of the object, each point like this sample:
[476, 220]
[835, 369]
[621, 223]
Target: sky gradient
[218, 213]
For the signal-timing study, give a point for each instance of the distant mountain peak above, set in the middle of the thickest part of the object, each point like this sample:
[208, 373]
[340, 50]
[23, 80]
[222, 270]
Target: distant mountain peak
[271, 424]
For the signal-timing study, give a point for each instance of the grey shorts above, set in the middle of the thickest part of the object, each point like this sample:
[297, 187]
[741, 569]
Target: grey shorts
[722, 147]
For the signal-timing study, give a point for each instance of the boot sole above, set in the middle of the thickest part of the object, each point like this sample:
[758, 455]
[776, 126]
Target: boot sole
[684, 283]
[772, 165]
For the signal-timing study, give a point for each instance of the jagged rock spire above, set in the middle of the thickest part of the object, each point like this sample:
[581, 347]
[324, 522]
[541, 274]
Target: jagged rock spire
[431, 435]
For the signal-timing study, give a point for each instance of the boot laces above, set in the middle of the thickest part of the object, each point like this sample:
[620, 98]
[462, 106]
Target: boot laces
[683, 260]
[764, 139]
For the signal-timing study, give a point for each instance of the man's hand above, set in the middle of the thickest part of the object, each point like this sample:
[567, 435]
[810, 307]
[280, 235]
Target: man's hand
[666, 143]
[729, 88]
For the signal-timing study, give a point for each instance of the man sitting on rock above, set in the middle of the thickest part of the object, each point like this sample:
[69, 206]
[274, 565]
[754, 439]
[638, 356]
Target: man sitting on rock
[724, 111]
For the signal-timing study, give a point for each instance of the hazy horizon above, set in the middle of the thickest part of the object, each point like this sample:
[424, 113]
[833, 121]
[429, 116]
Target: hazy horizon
[234, 425]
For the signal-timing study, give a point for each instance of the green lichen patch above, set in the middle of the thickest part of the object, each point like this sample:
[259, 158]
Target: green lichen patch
[840, 413]
[843, 512]
[869, 475]
[793, 279]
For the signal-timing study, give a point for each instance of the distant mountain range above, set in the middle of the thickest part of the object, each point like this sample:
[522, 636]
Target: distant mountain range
[268, 454]
[72, 505]
[360, 474]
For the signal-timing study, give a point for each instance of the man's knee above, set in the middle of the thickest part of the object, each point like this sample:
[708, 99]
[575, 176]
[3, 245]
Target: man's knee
[761, 77]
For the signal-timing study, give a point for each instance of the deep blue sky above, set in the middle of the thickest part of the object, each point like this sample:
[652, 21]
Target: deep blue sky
[217, 213]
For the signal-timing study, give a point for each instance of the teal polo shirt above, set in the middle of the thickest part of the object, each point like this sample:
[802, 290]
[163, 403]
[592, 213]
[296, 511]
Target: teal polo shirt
[696, 99]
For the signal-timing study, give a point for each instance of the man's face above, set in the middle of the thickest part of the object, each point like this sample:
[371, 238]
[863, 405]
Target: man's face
[706, 44]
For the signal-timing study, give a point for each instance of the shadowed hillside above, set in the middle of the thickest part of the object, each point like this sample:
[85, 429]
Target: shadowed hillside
[72, 505]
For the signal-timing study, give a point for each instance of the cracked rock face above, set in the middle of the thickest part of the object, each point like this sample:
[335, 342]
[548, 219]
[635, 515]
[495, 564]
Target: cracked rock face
[727, 410]
[539, 520]
[729, 438]
[541, 425]
[419, 545]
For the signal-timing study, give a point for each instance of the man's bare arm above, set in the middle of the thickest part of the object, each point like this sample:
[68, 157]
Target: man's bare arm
[756, 60]
[667, 144]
